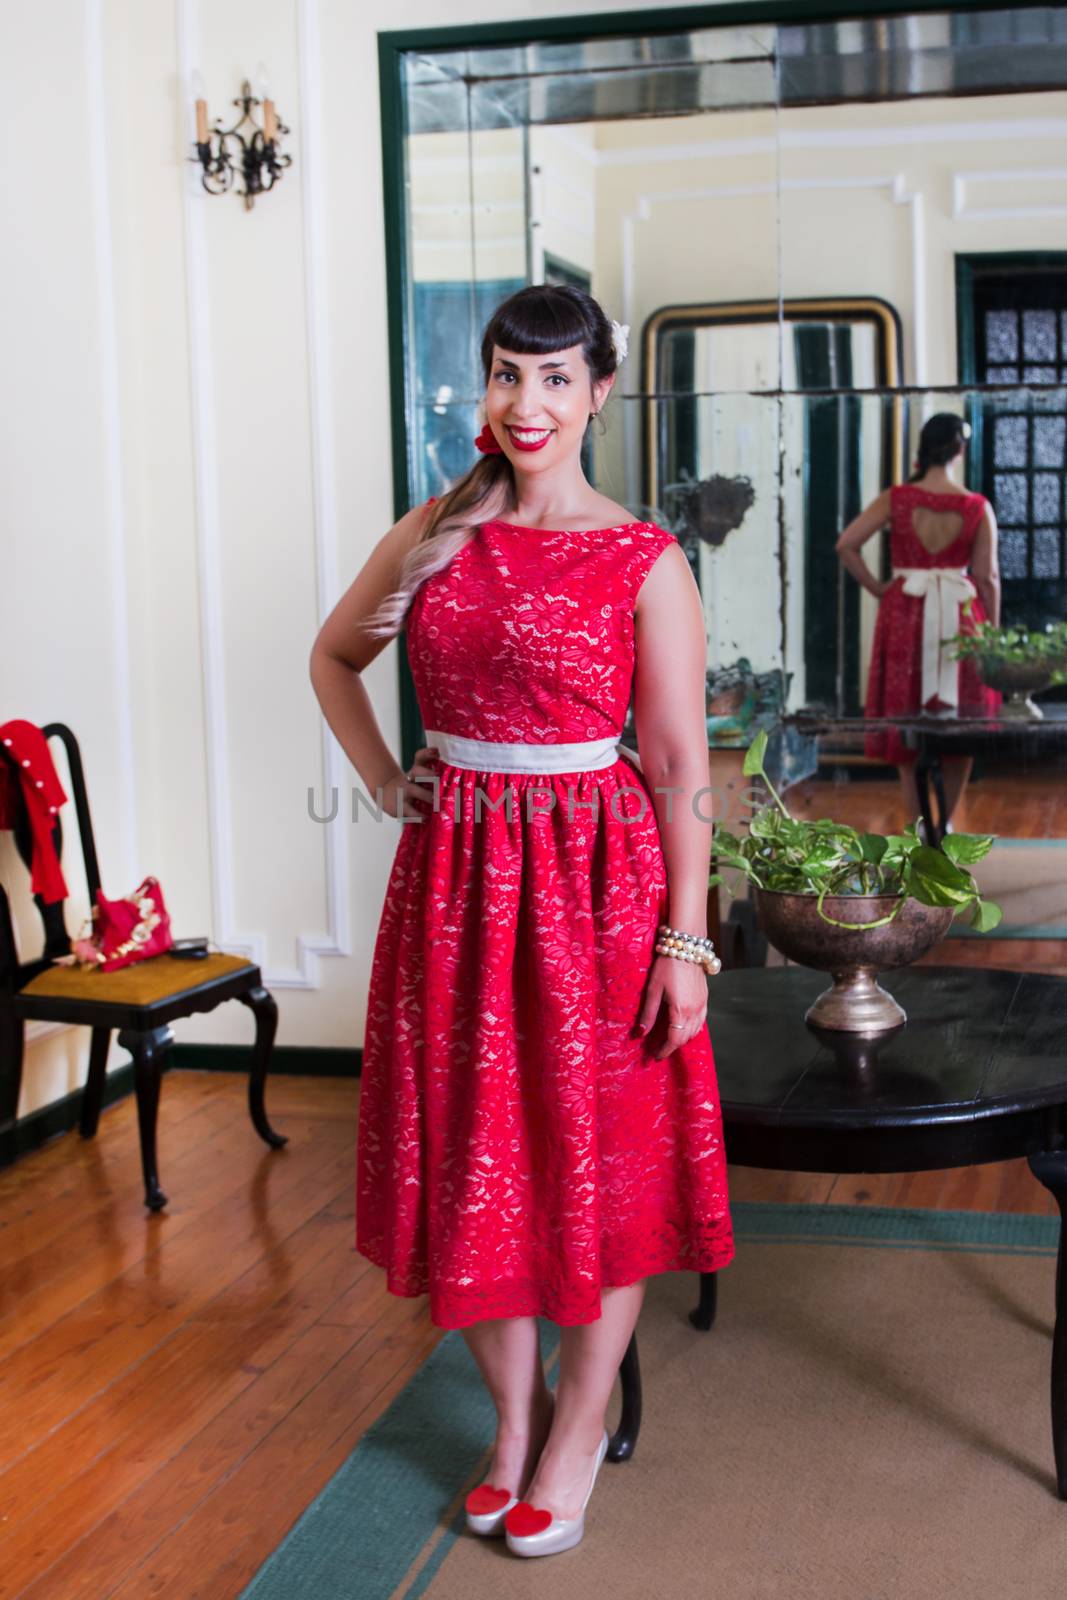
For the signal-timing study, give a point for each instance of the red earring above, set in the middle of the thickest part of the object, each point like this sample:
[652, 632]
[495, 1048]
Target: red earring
[487, 443]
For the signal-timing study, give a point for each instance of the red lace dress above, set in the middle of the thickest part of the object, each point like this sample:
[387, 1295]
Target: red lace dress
[895, 680]
[518, 1150]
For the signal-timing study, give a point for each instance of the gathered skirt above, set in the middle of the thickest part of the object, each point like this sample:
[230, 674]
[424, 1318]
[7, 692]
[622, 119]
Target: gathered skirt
[519, 1147]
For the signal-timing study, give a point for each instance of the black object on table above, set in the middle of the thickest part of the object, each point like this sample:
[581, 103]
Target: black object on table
[977, 1073]
[1038, 745]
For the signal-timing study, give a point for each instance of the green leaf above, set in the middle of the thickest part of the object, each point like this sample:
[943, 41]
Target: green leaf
[967, 847]
[823, 853]
[986, 915]
[765, 823]
[753, 762]
[934, 864]
[873, 846]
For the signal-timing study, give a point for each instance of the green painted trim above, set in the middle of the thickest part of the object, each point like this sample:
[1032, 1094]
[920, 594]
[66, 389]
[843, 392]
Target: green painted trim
[31, 1132]
[286, 1060]
[1028, 844]
[395, 220]
[903, 1227]
[672, 19]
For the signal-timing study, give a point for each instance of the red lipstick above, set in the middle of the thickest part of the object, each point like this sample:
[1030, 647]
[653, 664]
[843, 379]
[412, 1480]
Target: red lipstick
[521, 445]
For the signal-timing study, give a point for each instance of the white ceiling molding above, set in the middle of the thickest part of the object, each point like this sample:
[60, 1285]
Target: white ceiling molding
[962, 212]
[1033, 129]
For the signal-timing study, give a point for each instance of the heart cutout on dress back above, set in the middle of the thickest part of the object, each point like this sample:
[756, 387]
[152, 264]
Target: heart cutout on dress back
[936, 530]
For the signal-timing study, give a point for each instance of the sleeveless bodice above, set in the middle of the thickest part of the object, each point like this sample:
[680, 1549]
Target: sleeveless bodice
[907, 549]
[528, 635]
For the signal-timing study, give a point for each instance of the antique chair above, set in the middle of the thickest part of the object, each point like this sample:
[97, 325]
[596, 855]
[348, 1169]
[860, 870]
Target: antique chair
[140, 1000]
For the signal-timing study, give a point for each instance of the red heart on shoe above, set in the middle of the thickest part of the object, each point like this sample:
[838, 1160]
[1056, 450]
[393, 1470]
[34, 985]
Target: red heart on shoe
[485, 1498]
[525, 1518]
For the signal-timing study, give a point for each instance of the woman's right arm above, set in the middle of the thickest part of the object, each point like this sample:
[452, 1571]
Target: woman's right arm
[342, 650]
[859, 530]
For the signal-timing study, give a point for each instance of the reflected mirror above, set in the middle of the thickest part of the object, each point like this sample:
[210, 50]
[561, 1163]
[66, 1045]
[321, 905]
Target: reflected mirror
[821, 235]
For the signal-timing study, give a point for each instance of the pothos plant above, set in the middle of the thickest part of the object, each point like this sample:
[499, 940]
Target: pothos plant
[792, 856]
[1017, 646]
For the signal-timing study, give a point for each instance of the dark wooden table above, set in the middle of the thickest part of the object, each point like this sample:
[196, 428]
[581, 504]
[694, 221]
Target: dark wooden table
[977, 1073]
[1036, 746]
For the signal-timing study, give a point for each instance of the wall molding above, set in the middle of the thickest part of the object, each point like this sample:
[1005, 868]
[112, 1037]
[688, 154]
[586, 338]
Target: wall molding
[117, 544]
[1029, 129]
[337, 940]
[961, 212]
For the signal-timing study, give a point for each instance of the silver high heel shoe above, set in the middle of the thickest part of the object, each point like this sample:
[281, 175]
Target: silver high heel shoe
[486, 1506]
[532, 1531]
[486, 1509]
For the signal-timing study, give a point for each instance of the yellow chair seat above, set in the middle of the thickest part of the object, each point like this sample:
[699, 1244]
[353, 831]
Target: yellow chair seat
[140, 984]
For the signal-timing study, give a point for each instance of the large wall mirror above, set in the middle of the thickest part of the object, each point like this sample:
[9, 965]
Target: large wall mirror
[842, 446]
[820, 233]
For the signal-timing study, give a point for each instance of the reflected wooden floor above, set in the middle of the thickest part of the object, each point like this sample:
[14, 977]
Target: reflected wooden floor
[177, 1388]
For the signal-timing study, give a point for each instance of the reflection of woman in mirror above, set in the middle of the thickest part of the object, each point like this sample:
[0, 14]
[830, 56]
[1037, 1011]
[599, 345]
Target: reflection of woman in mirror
[539, 1121]
[937, 530]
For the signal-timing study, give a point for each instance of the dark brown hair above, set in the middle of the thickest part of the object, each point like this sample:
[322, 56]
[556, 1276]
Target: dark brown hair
[939, 441]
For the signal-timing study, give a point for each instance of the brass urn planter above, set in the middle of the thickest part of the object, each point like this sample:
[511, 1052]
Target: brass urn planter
[1018, 680]
[855, 1002]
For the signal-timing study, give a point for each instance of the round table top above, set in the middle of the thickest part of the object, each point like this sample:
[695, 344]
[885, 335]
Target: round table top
[978, 1042]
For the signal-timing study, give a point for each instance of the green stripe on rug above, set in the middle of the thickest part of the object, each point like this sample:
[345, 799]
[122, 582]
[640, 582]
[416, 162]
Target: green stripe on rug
[391, 1515]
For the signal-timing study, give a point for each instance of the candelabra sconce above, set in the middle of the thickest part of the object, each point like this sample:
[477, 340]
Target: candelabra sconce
[253, 154]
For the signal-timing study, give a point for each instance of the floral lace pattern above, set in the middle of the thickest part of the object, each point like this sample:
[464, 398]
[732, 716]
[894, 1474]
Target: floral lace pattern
[518, 1150]
[894, 683]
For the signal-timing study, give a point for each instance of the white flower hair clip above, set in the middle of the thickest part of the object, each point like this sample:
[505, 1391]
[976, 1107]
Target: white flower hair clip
[620, 332]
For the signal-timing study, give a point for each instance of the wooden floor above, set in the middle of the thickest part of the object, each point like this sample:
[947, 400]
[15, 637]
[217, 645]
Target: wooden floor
[175, 1389]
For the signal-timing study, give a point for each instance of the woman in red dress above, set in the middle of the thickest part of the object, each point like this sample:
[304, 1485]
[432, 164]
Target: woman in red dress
[539, 1124]
[937, 531]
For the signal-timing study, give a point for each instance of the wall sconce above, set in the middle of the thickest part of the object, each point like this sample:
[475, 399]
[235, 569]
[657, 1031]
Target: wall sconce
[260, 164]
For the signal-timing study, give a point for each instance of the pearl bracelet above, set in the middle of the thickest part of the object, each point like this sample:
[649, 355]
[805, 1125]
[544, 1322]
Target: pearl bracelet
[687, 947]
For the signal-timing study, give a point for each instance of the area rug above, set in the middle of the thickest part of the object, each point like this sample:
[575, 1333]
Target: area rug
[1028, 880]
[868, 1419]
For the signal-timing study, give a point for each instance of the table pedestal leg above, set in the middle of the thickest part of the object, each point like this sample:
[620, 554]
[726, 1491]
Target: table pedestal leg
[704, 1314]
[928, 775]
[1051, 1170]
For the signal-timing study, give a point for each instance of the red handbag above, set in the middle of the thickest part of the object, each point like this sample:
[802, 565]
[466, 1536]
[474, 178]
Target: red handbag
[123, 931]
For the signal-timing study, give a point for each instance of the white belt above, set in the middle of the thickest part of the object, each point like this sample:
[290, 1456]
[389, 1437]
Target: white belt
[948, 587]
[491, 755]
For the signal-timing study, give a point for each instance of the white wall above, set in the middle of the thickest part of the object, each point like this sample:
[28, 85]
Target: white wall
[196, 461]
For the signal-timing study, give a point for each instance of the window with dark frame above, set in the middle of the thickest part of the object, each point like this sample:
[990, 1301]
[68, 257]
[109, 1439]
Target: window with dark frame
[1017, 335]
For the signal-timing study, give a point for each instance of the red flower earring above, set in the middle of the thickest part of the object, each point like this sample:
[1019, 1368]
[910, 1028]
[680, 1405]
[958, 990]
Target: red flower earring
[487, 443]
